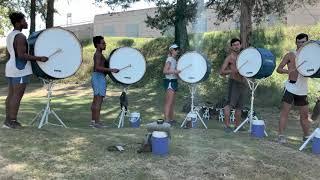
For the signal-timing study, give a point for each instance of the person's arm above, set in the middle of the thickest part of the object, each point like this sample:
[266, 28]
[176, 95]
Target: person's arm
[99, 65]
[167, 71]
[20, 42]
[224, 69]
[283, 63]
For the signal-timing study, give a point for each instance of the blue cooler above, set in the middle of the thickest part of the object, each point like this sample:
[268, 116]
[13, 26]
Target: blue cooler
[135, 119]
[257, 128]
[160, 143]
[316, 143]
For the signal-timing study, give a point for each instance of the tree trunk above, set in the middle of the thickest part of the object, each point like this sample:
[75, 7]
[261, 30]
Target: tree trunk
[50, 13]
[32, 16]
[180, 29]
[246, 22]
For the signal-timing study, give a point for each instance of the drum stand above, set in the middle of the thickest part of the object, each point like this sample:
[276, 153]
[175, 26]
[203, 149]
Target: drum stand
[124, 110]
[43, 115]
[193, 109]
[253, 86]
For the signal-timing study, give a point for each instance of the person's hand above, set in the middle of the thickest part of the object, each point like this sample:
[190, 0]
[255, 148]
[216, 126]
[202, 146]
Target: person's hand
[177, 71]
[115, 70]
[43, 58]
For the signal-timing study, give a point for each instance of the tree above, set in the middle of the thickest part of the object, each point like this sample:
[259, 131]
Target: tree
[50, 13]
[253, 11]
[176, 13]
[32, 16]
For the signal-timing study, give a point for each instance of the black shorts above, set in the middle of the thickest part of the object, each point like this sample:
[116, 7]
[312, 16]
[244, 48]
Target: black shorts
[297, 100]
[237, 94]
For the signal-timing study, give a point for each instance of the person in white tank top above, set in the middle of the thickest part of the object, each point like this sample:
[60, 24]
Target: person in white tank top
[170, 83]
[18, 68]
[296, 90]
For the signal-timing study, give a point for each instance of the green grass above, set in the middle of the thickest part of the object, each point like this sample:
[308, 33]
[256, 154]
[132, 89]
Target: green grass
[80, 152]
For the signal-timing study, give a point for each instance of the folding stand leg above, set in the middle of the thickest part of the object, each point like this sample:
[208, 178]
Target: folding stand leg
[44, 113]
[310, 137]
[253, 86]
[192, 89]
[123, 111]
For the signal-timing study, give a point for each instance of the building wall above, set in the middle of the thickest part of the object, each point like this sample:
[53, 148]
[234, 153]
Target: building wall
[82, 31]
[128, 23]
[131, 23]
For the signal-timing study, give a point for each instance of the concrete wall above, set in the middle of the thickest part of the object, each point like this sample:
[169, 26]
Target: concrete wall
[82, 31]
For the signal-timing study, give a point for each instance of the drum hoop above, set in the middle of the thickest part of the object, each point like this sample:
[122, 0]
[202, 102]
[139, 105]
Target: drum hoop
[203, 56]
[81, 49]
[145, 63]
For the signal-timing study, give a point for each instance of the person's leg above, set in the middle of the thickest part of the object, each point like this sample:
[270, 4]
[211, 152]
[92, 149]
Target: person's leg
[96, 107]
[284, 113]
[237, 117]
[171, 114]
[14, 103]
[304, 120]
[8, 99]
[226, 111]
[168, 103]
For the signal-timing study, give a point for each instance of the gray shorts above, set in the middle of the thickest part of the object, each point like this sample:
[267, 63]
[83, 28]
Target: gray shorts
[237, 94]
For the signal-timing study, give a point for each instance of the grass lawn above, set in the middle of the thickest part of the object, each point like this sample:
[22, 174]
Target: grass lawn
[80, 152]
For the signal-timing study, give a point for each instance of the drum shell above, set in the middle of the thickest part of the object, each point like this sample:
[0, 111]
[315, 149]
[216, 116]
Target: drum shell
[258, 60]
[268, 64]
[73, 62]
[35, 67]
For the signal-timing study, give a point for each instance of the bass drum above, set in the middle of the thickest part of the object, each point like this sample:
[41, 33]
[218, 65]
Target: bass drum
[62, 48]
[130, 62]
[194, 67]
[256, 63]
[307, 60]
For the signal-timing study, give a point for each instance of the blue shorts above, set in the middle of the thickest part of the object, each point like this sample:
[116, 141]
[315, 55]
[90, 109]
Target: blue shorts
[18, 80]
[99, 84]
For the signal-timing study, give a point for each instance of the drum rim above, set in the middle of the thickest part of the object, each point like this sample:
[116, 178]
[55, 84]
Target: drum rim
[204, 57]
[145, 63]
[298, 53]
[250, 47]
[81, 50]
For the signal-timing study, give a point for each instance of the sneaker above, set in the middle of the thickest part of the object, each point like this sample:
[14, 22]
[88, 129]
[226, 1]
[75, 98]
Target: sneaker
[8, 125]
[99, 125]
[282, 139]
[241, 129]
[91, 124]
[228, 129]
[171, 122]
[304, 138]
[17, 124]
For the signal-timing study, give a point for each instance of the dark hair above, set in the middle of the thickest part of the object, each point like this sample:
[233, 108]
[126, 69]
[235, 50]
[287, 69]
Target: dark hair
[97, 40]
[16, 17]
[301, 36]
[233, 40]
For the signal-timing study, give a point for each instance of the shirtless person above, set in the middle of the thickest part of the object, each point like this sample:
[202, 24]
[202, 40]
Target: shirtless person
[98, 81]
[18, 68]
[296, 90]
[237, 85]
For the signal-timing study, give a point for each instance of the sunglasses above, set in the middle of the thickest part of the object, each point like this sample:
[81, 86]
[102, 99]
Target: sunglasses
[176, 49]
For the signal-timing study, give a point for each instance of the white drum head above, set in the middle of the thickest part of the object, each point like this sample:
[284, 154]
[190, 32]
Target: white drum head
[63, 63]
[308, 59]
[131, 64]
[193, 67]
[249, 62]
